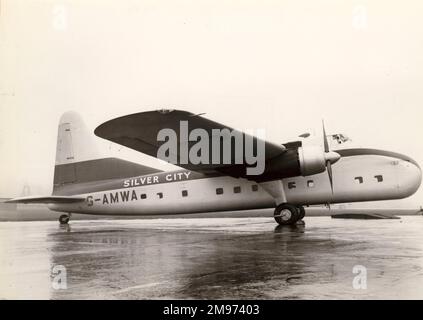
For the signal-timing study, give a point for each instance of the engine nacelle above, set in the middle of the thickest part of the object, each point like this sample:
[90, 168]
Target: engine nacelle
[312, 160]
[297, 160]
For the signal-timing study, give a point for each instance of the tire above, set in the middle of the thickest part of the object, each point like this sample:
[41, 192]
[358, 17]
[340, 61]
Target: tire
[301, 210]
[286, 214]
[64, 219]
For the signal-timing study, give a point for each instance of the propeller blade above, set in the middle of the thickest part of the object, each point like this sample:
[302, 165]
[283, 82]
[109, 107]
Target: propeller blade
[325, 138]
[330, 156]
[329, 168]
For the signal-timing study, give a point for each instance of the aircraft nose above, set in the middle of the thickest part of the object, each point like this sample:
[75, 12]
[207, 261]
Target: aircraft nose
[410, 178]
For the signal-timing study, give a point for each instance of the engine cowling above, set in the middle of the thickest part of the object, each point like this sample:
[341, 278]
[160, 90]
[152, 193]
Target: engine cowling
[314, 160]
[296, 161]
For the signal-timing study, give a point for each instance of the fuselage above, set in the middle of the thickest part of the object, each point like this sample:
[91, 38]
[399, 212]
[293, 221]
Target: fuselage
[360, 175]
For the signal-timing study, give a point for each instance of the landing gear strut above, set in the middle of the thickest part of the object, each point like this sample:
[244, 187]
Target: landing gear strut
[288, 214]
[64, 219]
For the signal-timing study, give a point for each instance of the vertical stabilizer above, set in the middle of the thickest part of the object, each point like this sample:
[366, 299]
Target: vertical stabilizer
[79, 161]
[74, 141]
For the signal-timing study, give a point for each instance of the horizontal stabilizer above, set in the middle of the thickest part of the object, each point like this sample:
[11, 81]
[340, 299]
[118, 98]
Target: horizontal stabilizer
[46, 199]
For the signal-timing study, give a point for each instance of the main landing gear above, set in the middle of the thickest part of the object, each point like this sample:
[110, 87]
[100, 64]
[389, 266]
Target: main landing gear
[285, 213]
[288, 214]
[64, 219]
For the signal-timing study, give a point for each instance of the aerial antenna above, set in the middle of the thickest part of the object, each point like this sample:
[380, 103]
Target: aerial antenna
[197, 115]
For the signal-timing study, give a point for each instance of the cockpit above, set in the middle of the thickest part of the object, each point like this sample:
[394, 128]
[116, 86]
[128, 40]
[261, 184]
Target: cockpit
[336, 141]
[339, 138]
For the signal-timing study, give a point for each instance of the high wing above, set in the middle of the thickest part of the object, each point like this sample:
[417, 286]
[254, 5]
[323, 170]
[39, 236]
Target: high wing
[47, 199]
[139, 131]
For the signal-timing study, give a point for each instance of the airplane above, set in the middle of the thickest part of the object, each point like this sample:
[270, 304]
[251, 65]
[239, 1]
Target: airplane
[295, 174]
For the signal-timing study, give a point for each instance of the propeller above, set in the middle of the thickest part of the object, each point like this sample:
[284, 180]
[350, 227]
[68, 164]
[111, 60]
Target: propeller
[330, 156]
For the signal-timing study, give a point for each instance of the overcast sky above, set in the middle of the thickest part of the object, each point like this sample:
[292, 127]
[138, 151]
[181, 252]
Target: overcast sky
[279, 65]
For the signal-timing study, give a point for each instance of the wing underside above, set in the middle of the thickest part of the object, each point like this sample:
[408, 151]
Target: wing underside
[47, 200]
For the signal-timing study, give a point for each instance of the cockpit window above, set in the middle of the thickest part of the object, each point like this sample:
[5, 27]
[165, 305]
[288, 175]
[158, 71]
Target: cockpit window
[340, 138]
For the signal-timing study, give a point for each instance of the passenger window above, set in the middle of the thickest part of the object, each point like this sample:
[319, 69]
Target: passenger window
[143, 196]
[184, 193]
[291, 185]
[310, 183]
[160, 194]
[219, 191]
[379, 178]
[254, 187]
[358, 180]
[237, 189]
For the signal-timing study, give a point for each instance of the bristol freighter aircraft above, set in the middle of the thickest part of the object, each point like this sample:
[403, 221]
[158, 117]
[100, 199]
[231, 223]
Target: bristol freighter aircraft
[294, 174]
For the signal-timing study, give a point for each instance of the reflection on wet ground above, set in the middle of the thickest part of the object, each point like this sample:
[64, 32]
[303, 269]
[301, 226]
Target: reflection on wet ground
[235, 258]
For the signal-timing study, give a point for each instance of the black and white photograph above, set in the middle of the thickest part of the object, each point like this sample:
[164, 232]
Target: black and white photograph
[218, 151]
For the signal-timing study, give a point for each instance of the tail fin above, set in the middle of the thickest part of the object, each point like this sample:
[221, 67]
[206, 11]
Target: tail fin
[78, 159]
[74, 142]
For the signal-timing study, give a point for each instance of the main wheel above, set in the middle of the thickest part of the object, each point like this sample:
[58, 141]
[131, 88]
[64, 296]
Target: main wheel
[286, 214]
[301, 210]
[64, 219]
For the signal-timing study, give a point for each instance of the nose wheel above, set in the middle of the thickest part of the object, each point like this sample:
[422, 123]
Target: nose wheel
[288, 214]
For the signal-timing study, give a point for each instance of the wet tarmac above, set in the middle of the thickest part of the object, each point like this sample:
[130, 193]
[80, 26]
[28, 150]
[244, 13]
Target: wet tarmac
[233, 258]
